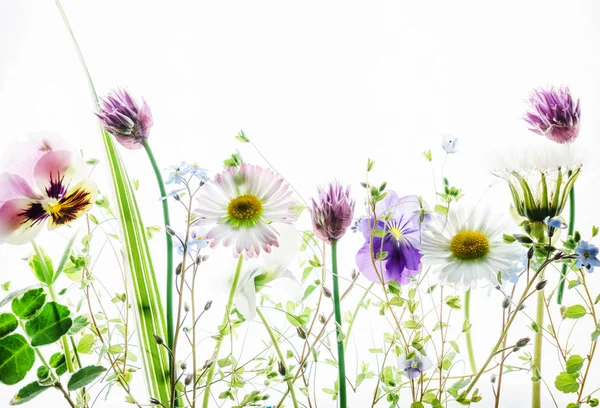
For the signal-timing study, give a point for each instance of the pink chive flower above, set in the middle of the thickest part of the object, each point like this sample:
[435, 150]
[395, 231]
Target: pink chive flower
[332, 212]
[44, 182]
[554, 115]
[125, 118]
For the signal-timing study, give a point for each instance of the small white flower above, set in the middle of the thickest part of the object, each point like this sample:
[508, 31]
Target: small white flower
[271, 272]
[449, 143]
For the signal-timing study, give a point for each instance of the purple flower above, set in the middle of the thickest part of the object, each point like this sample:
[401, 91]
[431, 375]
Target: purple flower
[554, 115]
[587, 256]
[414, 366]
[332, 212]
[396, 239]
[124, 118]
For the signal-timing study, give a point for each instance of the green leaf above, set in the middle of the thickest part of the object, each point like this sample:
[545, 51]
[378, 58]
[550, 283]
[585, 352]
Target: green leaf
[16, 359]
[566, 382]
[453, 302]
[84, 377]
[5, 286]
[8, 324]
[28, 305]
[575, 312]
[64, 258]
[417, 404]
[440, 209]
[27, 393]
[86, 343]
[574, 363]
[49, 325]
[38, 267]
[79, 323]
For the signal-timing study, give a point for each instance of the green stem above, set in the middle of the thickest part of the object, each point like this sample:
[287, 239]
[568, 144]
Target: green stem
[167, 220]
[48, 278]
[338, 327]
[360, 302]
[232, 292]
[280, 354]
[561, 287]
[468, 333]
[536, 386]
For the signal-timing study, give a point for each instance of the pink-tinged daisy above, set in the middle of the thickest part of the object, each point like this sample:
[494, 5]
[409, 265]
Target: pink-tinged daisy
[243, 203]
[43, 182]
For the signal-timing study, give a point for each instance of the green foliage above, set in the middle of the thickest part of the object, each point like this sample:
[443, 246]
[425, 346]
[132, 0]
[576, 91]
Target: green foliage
[84, 377]
[575, 312]
[8, 324]
[574, 363]
[16, 359]
[28, 392]
[567, 382]
[49, 325]
[29, 304]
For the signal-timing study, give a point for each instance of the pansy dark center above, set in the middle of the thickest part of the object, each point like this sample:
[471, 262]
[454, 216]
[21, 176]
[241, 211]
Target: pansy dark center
[245, 209]
[469, 245]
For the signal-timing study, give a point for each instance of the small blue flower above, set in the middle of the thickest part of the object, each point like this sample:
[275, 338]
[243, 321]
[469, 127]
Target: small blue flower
[449, 143]
[195, 169]
[555, 222]
[176, 173]
[414, 366]
[587, 256]
[196, 240]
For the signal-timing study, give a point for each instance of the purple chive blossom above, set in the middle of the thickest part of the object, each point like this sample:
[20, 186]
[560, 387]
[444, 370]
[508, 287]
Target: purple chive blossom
[126, 119]
[554, 115]
[394, 254]
[414, 366]
[332, 212]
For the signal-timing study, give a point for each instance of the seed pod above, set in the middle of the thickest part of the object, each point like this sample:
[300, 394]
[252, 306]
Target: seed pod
[326, 292]
[170, 230]
[188, 380]
[178, 269]
[208, 305]
[281, 368]
[541, 284]
[523, 342]
[301, 333]
[159, 340]
[322, 319]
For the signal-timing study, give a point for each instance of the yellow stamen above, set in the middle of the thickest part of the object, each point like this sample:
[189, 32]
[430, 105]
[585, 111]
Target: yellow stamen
[469, 245]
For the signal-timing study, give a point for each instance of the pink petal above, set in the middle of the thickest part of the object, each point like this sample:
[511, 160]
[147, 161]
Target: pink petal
[13, 186]
[56, 171]
[17, 224]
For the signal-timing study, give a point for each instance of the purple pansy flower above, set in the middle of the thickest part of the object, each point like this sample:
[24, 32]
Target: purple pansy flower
[554, 114]
[398, 218]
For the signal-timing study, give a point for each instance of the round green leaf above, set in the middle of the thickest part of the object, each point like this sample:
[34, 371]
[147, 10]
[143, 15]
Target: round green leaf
[27, 393]
[16, 359]
[49, 325]
[84, 377]
[575, 312]
[8, 324]
[566, 382]
[574, 363]
[28, 305]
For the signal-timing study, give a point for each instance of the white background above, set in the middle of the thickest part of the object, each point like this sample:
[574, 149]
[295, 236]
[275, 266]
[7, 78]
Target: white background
[319, 87]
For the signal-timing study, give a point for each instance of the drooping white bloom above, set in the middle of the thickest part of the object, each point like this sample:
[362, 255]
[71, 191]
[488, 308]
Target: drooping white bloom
[466, 247]
[449, 143]
[241, 205]
[274, 271]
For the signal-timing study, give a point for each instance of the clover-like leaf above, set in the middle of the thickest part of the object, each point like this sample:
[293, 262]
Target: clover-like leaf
[566, 382]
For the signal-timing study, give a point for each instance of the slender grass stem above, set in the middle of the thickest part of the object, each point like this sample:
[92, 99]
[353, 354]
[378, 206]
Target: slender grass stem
[563, 272]
[536, 386]
[360, 302]
[279, 353]
[468, 337]
[232, 292]
[338, 327]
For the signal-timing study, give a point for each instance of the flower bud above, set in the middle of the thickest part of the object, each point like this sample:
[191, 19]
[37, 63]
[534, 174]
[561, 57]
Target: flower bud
[159, 340]
[301, 333]
[208, 305]
[326, 292]
[183, 366]
[506, 302]
[208, 363]
[188, 380]
[154, 401]
[332, 212]
[281, 368]
[541, 284]
[322, 319]
[523, 342]
[178, 269]
[170, 230]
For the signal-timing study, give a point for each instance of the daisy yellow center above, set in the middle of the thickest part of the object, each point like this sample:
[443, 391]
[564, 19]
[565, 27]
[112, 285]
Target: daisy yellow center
[469, 245]
[396, 233]
[245, 209]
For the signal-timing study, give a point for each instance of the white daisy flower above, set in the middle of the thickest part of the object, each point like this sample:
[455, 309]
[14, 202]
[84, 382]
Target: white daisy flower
[467, 247]
[273, 272]
[243, 203]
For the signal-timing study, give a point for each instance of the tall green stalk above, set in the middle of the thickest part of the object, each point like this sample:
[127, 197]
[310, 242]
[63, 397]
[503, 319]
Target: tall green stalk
[146, 301]
[536, 386]
[290, 383]
[211, 370]
[338, 327]
[169, 238]
[469, 340]
[563, 272]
